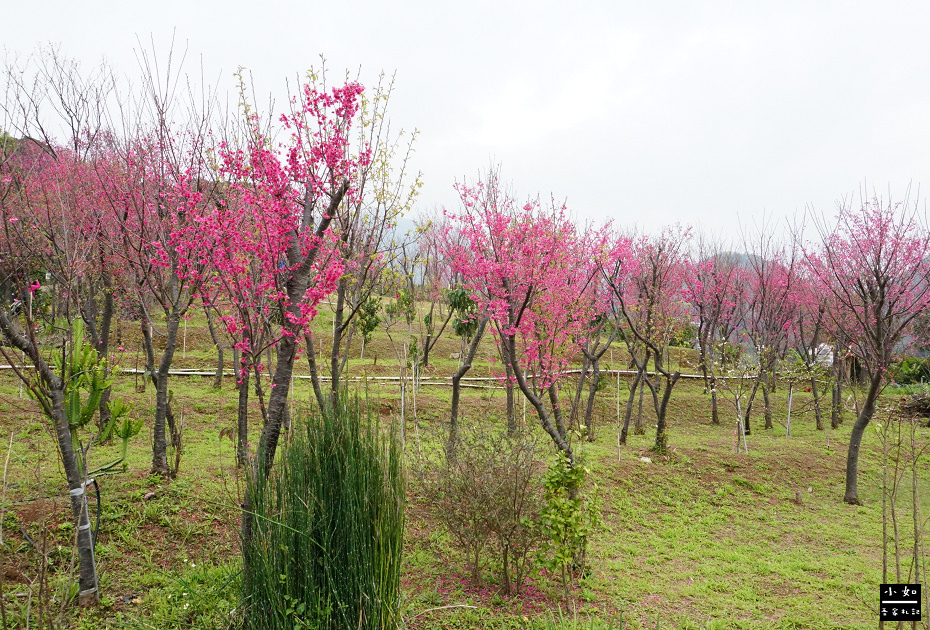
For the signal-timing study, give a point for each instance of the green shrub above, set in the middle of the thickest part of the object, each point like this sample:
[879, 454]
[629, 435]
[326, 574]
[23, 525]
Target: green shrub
[325, 551]
[683, 337]
[571, 515]
[912, 370]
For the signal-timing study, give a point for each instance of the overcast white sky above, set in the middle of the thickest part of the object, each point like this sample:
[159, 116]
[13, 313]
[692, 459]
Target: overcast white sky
[705, 113]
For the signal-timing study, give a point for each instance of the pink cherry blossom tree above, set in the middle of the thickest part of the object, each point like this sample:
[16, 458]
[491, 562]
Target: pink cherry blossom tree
[530, 270]
[714, 287]
[647, 277]
[809, 332]
[47, 236]
[279, 252]
[255, 221]
[159, 200]
[40, 233]
[384, 188]
[598, 336]
[874, 262]
[468, 322]
[769, 309]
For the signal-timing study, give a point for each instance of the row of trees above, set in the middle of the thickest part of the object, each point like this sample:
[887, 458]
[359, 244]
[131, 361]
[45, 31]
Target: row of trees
[558, 293]
[144, 206]
[163, 209]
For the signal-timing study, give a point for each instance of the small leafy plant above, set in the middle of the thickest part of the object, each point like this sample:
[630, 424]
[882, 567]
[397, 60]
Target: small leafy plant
[570, 516]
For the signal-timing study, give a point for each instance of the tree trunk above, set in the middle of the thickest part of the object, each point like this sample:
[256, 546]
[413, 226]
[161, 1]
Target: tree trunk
[162, 405]
[714, 415]
[884, 438]
[426, 347]
[839, 369]
[637, 383]
[347, 344]
[54, 407]
[556, 432]
[335, 367]
[661, 438]
[579, 390]
[242, 420]
[557, 410]
[708, 381]
[277, 402]
[218, 379]
[508, 387]
[661, 407]
[431, 338]
[452, 442]
[768, 404]
[314, 374]
[106, 321]
[752, 397]
[915, 503]
[88, 593]
[818, 414]
[855, 440]
[159, 378]
[836, 409]
[100, 337]
[104, 409]
[505, 565]
[592, 393]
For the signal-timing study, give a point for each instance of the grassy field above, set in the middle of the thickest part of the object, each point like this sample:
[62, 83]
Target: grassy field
[701, 538]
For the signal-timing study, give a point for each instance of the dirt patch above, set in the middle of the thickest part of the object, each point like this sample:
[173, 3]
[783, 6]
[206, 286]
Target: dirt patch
[40, 510]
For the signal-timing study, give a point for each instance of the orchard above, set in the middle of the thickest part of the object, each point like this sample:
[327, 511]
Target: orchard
[504, 417]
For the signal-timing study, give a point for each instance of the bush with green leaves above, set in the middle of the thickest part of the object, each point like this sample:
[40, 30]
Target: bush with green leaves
[367, 318]
[570, 516]
[683, 337]
[325, 550]
[465, 322]
[912, 370]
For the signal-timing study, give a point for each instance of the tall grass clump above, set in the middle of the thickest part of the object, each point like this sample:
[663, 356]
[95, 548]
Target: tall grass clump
[328, 531]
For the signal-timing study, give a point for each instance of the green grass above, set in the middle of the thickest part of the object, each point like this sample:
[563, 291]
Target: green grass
[703, 538]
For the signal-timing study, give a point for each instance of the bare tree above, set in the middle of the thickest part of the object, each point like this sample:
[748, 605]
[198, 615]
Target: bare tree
[714, 287]
[166, 185]
[769, 310]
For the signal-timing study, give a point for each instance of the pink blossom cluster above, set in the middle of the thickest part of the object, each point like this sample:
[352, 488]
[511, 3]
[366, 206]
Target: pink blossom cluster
[530, 269]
